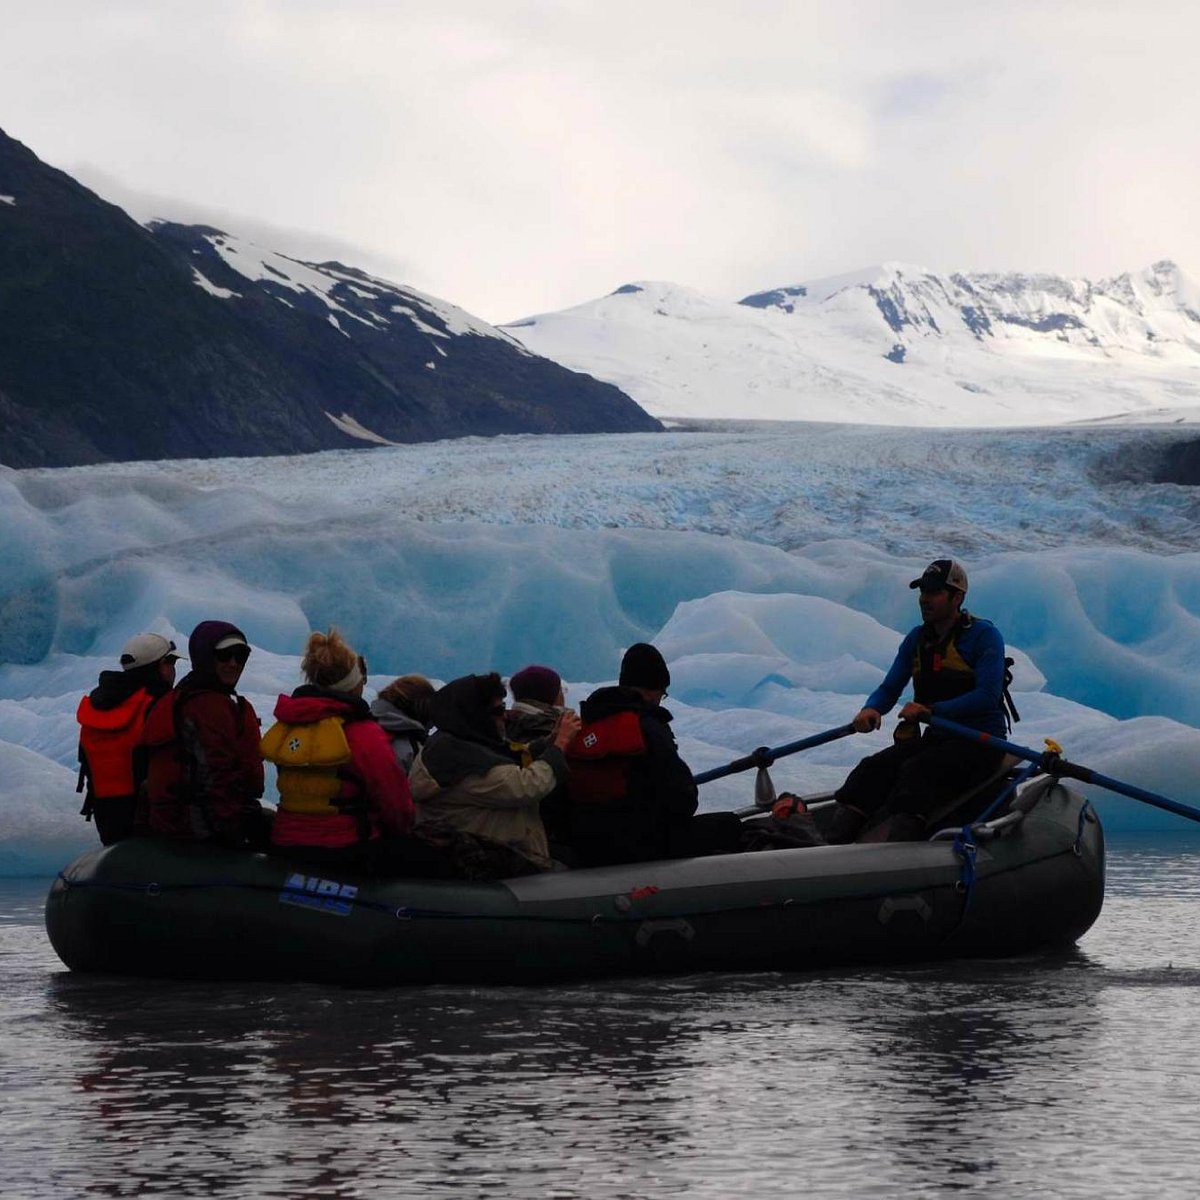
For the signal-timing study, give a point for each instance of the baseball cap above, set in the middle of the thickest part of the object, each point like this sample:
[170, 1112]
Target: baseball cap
[147, 648]
[942, 573]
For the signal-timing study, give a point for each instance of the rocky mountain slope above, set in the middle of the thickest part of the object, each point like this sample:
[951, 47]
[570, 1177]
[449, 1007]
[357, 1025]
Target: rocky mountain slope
[124, 342]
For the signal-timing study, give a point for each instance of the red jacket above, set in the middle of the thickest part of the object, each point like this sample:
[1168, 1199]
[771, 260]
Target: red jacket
[372, 780]
[205, 770]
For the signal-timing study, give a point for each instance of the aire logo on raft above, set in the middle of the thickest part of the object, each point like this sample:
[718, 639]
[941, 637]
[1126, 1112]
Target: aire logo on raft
[325, 895]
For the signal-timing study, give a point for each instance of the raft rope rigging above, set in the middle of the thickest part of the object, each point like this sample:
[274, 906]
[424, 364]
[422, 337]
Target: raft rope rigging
[966, 843]
[1085, 815]
[407, 913]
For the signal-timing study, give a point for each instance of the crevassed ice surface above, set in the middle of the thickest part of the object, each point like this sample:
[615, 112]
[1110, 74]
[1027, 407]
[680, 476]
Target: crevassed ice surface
[770, 563]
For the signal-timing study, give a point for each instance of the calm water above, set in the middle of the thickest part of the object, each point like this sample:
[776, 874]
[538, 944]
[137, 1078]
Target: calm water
[1072, 1076]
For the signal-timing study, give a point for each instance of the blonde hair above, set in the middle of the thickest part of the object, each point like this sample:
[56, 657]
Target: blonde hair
[328, 660]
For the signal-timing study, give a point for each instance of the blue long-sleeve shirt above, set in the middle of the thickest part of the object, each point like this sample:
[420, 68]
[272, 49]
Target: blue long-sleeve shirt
[982, 649]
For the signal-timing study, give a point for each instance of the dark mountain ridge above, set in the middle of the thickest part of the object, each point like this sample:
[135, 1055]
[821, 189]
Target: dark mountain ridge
[123, 342]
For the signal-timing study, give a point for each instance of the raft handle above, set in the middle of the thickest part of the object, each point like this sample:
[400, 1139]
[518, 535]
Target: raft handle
[985, 832]
[648, 929]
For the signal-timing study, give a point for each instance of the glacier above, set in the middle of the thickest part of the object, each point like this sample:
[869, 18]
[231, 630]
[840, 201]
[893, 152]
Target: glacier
[769, 562]
[894, 344]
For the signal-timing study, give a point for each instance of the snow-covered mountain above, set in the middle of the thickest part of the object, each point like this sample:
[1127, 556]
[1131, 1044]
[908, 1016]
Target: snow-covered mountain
[897, 345]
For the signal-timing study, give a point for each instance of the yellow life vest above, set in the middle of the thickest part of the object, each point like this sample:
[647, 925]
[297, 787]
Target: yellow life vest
[310, 759]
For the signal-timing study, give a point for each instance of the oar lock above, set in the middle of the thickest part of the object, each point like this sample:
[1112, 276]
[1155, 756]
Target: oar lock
[1052, 760]
[762, 756]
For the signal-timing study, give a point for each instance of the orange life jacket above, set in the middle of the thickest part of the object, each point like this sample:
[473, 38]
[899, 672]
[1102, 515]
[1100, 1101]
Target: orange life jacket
[107, 739]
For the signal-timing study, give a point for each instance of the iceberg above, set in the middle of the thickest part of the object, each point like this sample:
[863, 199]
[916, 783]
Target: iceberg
[777, 606]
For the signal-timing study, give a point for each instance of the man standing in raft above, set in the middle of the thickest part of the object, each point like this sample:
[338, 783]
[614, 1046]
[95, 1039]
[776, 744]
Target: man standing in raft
[956, 664]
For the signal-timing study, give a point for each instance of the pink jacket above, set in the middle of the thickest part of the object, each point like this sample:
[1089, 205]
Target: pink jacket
[372, 775]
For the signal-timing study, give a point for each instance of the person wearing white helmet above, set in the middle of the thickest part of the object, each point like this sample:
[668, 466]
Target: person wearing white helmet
[111, 718]
[956, 664]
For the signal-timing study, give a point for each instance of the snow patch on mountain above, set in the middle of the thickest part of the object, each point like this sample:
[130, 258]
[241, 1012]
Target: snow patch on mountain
[211, 288]
[347, 424]
[895, 344]
[352, 293]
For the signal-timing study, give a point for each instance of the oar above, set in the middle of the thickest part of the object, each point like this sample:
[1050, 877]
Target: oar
[764, 756]
[1052, 762]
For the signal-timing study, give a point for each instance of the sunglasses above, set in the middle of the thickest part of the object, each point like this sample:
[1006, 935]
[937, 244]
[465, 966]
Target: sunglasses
[232, 654]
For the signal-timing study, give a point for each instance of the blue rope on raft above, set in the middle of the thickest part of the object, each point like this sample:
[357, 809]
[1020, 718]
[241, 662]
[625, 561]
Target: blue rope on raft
[967, 850]
[964, 842]
[1084, 811]
[1009, 792]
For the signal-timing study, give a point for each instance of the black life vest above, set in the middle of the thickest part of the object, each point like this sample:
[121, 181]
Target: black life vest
[940, 672]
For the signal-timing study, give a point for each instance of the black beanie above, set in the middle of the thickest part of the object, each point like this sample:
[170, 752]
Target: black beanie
[644, 667]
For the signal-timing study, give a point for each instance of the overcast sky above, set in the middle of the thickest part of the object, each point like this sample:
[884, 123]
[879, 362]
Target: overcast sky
[519, 156]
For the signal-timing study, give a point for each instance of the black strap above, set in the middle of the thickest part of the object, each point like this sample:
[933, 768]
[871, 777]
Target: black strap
[1011, 716]
[83, 781]
[355, 805]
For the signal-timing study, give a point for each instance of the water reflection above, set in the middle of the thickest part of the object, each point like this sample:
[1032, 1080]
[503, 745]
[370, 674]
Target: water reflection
[429, 1081]
[1073, 1076]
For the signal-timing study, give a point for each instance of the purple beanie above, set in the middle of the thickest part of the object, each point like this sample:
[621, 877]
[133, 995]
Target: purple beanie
[536, 683]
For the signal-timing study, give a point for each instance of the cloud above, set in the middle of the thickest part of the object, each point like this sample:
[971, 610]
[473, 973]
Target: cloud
[304, 244]
[520, 157]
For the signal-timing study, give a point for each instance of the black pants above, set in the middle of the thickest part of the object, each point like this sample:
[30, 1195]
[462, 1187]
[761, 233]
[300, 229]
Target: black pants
[686, 837]
[918, 775]
[114, 818]
[705, 834]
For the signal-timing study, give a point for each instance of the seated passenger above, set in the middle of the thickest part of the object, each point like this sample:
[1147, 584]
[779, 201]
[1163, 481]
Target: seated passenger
[631, 797]
[402, 710]
[342, 795]
[204, 772]
[538, 705]
[468, 778]
[111, 718]
[538, 702]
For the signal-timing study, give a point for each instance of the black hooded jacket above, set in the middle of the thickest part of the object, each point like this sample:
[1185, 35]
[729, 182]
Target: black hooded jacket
[661, 795]
[113, 688]
[466, 741]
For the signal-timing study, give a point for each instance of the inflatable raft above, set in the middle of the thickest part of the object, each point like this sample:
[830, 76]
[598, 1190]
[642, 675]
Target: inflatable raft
[1032, 879]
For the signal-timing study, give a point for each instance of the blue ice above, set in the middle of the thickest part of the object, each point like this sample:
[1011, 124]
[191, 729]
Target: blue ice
[770, 564]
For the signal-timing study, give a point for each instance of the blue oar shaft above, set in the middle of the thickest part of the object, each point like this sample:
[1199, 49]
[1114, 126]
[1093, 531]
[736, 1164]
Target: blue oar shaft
[1055, 765]
[766, 756]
